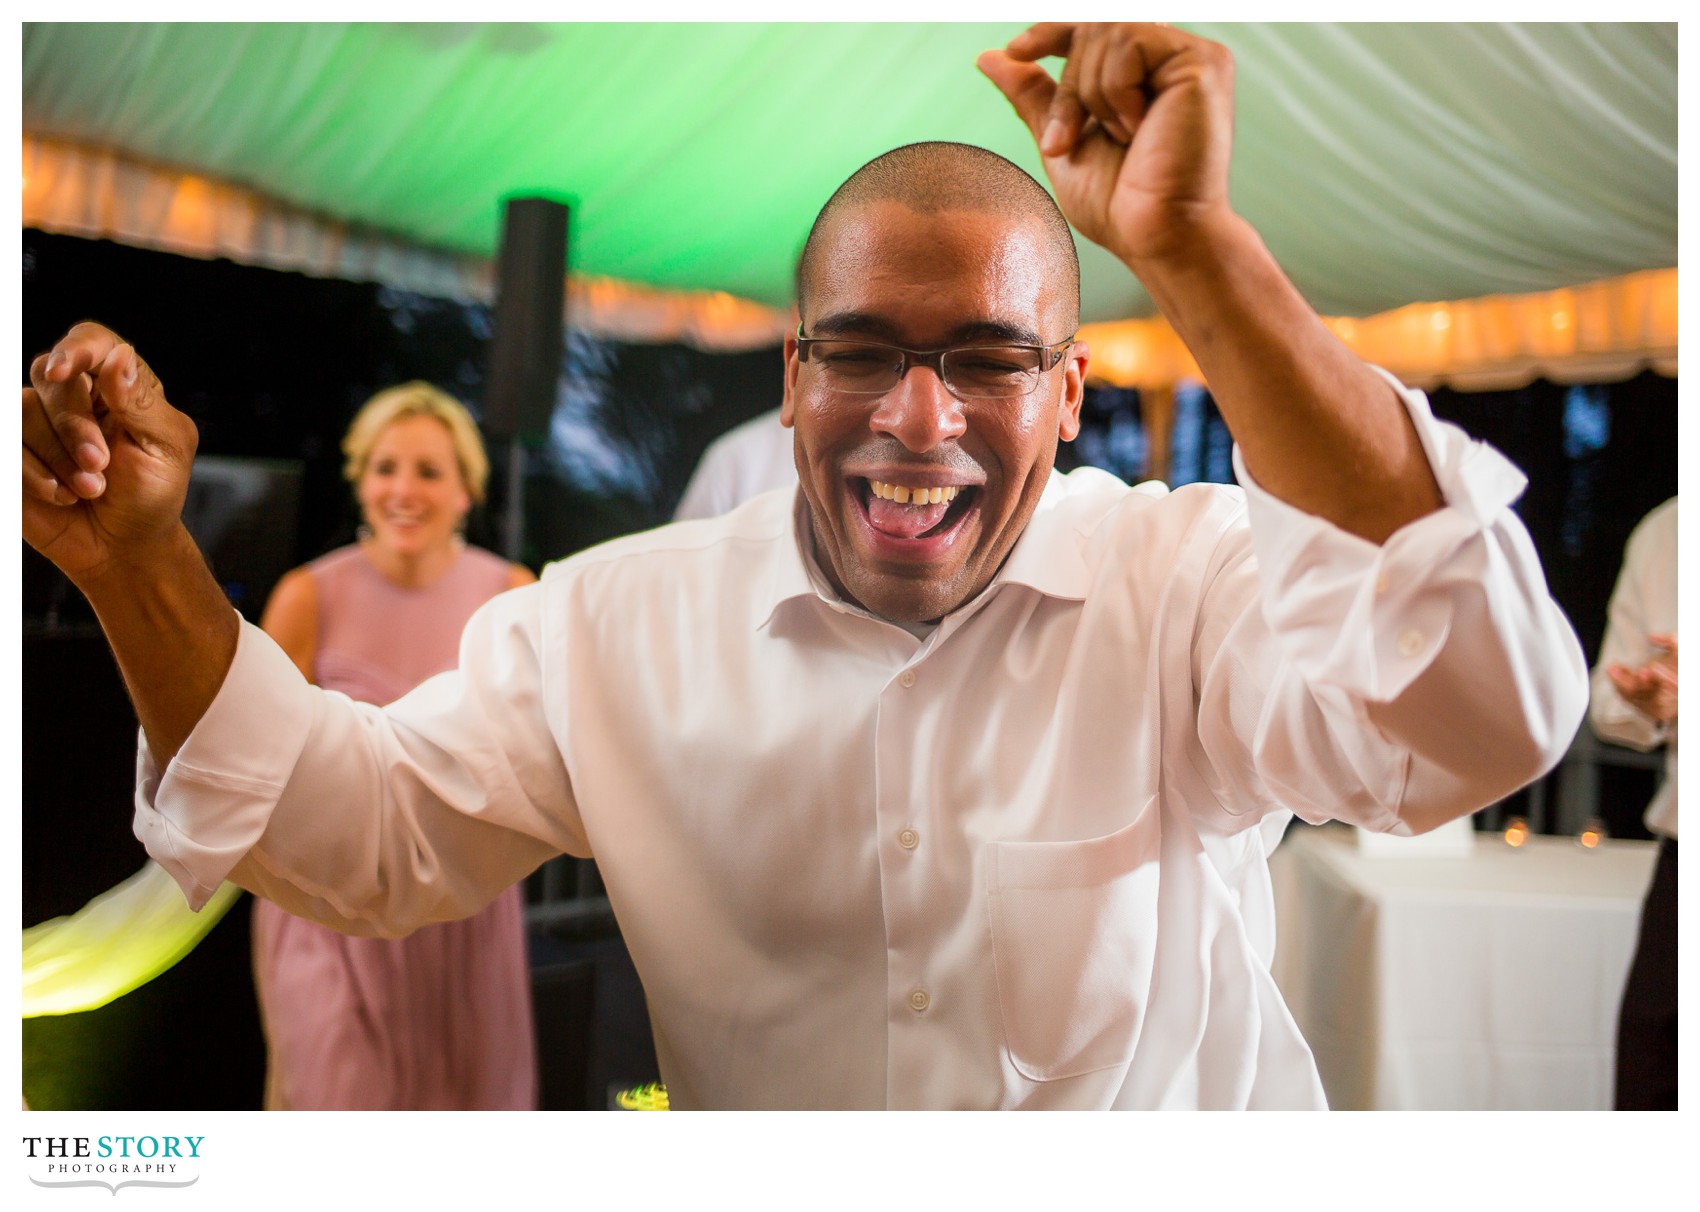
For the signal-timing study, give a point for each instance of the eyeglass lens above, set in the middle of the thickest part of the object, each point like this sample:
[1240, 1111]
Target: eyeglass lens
[989, 371]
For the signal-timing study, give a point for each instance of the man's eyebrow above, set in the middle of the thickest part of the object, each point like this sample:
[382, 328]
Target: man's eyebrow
[876, 328]
[853, 323]
[995, 330]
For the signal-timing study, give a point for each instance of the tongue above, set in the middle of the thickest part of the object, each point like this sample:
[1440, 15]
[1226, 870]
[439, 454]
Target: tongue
[904, 521]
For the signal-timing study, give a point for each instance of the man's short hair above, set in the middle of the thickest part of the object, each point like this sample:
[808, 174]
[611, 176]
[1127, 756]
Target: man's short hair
[929, 177]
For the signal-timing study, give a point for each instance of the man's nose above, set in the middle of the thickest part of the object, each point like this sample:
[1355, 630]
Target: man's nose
[920, 412]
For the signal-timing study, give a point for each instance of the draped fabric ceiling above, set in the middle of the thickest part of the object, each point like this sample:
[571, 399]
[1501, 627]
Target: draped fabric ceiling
[1474, 203]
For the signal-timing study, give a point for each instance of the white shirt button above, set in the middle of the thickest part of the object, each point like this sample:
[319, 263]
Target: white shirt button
[919, 1001]
[908, 839]
[906, 679]
[1410, 642]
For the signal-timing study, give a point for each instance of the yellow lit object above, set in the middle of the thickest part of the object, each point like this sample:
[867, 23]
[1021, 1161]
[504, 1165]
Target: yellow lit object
[651, 1096]
[1589, 838]
[123, 938]
[1593, 833]
[1516, 831]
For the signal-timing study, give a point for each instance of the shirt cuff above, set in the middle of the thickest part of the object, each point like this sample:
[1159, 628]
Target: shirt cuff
[1617, 720]
[1371, 618]
[214, 799]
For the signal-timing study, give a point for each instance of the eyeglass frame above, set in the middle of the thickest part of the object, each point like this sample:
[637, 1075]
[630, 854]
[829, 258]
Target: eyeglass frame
[1050, 356]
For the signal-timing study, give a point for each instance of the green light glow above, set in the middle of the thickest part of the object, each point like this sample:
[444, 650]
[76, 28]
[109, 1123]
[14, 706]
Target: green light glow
[1383, 163]
[120, 940]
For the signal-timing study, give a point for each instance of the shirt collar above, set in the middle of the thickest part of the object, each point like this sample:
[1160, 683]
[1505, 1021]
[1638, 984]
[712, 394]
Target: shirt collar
[1048, 557]
[794, 569]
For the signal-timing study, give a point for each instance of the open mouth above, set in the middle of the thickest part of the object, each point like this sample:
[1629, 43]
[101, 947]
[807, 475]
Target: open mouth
[913, 513]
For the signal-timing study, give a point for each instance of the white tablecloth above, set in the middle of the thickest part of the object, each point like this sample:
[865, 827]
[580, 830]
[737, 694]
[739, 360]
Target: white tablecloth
[1487, 980]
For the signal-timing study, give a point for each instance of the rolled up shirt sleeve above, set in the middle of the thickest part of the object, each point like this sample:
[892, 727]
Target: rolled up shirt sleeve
[1437, 663]
[274, 788]
[211, 804]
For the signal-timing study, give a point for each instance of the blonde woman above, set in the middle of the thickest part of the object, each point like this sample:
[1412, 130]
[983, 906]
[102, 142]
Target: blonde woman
[441, 1019]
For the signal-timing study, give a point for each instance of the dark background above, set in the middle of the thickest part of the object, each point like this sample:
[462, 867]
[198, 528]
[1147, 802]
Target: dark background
[271, 366]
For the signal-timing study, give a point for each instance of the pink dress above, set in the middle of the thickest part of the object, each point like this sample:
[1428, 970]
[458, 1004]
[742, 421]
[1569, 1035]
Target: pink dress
[441, 1019]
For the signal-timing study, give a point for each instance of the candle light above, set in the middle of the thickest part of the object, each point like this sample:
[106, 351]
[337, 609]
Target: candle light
[1516, 831]
[1593, 833]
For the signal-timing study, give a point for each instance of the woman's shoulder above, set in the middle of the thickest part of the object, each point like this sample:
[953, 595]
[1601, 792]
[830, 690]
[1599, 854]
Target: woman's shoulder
[490, 568]
[484, 561]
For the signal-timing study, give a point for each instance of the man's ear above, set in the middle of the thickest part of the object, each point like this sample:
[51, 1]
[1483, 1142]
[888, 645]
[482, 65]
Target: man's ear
[1074, 391]
[788, 405]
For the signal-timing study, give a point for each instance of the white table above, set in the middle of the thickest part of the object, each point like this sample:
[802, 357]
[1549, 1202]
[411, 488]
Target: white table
[1486, 980]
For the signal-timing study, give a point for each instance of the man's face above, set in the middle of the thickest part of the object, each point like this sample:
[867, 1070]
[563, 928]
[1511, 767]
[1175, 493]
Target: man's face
[926, 281]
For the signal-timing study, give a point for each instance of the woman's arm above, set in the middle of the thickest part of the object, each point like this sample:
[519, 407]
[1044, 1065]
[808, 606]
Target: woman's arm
[292, 619]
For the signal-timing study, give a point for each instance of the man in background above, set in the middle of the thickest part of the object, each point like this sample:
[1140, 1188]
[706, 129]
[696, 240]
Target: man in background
[1634, 704]
[745, 461]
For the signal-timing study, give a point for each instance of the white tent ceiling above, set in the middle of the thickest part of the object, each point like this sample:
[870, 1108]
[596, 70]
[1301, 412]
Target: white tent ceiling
[1384, 163]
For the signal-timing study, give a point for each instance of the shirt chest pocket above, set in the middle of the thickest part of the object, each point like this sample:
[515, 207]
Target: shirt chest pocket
[1073, 936]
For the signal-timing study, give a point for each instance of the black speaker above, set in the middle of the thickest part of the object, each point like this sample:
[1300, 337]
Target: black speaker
[526, 343]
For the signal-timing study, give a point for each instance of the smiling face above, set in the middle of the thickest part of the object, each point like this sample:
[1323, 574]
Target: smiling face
[411, 492]
[927, 280]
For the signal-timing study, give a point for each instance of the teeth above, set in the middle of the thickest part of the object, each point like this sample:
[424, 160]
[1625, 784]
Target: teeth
[937, 495]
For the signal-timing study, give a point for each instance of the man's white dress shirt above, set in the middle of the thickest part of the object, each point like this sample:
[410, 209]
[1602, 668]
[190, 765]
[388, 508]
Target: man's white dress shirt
[1643, 604]
[1019, 863]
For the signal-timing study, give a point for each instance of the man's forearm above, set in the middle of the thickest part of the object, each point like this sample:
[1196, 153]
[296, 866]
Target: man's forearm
[1315, 425]
[174, 634]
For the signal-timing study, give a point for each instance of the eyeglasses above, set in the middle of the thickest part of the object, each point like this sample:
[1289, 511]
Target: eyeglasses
[978, 372]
